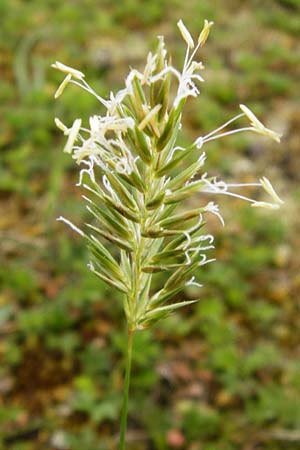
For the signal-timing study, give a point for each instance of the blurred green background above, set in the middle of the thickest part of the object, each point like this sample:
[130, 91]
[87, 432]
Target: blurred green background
[223, 375]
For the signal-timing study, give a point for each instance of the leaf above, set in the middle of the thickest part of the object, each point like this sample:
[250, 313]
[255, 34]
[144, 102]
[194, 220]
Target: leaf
[123, 193]
[157, 314]
[181, 274]
[141, 145]
[111, 220]
[171, 129]
[102, 250]
[156, 201]
[159, 268]
[114, 239]
[164, 295]
[180, 219]
[135, 180]
[114, 283]
[125, 264]
[175, 242]
[165, 255]
[175, 160]
[183, 176]
[108, 265]
[123, 210]
[144, 296]
[171, 307]
[184, 192]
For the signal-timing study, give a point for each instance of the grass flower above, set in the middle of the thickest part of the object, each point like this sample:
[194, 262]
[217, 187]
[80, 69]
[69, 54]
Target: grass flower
[185, 34]
[205, 32]
[258, 127]
[72, 135]
[69, 70]
[135, 184]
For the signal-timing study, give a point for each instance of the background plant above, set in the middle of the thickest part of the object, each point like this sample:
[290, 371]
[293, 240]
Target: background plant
[52, 327]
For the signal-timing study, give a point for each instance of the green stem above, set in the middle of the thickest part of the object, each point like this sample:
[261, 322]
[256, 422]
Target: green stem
[126, 390]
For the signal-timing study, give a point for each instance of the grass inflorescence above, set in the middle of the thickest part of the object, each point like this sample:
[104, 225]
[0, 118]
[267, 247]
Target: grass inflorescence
[137, 181]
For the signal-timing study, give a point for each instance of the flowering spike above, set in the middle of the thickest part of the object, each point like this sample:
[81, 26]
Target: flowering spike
[137, 176]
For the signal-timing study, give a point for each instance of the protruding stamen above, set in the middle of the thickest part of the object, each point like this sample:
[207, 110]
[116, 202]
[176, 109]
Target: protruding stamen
[185, 34]
[267, 186]
[70, 224]
[67, 69]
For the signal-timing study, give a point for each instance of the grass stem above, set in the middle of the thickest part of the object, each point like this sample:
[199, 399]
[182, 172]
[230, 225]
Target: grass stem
[122, 444]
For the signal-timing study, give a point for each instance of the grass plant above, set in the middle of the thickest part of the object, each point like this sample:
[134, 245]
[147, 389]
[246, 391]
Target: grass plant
[138, 182]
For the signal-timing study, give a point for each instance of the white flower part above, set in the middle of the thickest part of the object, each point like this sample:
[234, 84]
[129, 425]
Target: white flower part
[265, 205]
[190, 230]
[97, 145]
[188, 259]
[200, 248]
[71, 225]
[175, 149]
[86, 199]
[205, 237]
[257, 126]
[214, 209]
[91, 266]
[89, 149]
[94, 125]
[199, 142]
[188, 239]
[129, 80]
[220, 128]
[267, 186]
[99, 126]
[108, 187]
[149, 68]
[187, 87]
[62, 86]
[113, 123]
[185, 34]
[197, 250]
[214, 186]
[72, 135]
[89, 171]
[66, 69]
[106, 183]
[202, 159]
[192, 282]
[115, 101]
[204, 260]
[61, 126]
[252, 117]
[123, 166]
[205, 32]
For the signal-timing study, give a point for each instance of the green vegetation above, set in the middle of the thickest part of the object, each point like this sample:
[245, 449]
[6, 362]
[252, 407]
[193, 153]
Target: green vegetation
[227, 376]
